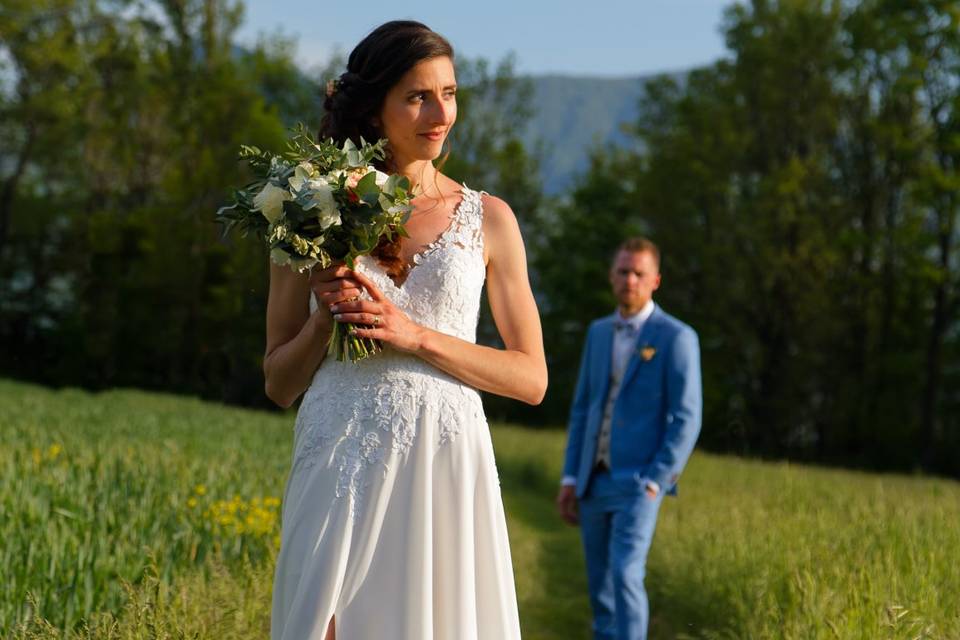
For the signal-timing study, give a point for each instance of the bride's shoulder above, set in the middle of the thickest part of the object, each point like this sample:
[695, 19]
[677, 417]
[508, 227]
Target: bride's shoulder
[497, 216]
[496, 212]
[501, 232]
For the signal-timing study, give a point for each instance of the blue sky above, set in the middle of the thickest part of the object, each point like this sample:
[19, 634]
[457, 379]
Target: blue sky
[604, 37]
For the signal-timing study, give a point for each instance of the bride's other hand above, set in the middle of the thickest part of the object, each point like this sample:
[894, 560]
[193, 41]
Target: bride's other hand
[334, 284]
[383, 320]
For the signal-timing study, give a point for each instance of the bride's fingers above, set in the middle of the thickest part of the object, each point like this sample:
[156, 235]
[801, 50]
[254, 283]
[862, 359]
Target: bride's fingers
[371, 288]
[337, 284]
[358, 306]
[333, 297]
[332, 272]
[371, 319]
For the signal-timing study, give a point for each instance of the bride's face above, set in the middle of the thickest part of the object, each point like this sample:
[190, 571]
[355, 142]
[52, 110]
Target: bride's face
[419, 111]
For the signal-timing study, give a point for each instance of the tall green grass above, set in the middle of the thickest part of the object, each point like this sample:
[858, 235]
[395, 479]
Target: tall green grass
[132, 515]
[96, 490]
[755, 550]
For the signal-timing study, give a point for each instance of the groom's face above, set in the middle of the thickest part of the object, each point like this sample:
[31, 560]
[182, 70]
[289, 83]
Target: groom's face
[634, 276]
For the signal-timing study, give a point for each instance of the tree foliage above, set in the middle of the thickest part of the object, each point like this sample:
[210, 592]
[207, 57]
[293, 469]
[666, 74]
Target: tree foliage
[804, 193]
[121, 125]
[803, 190]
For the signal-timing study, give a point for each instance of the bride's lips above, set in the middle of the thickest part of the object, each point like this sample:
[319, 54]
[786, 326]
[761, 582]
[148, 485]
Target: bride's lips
[432, 135]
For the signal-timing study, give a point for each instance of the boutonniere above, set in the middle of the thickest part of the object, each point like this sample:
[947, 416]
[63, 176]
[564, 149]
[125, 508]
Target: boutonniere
[647, 352]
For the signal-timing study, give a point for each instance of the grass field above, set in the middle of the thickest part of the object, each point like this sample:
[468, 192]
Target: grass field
[137, 515]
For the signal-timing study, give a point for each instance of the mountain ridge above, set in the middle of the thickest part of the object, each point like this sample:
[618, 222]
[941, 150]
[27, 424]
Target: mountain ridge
[574, 114]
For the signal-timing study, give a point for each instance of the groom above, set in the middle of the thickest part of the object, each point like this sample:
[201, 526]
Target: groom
[633, 423]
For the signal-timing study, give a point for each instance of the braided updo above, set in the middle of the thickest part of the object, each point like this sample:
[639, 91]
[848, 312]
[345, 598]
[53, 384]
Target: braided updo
[354, 101]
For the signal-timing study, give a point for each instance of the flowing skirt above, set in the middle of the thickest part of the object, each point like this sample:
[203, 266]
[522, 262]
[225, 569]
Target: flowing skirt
[392, 515]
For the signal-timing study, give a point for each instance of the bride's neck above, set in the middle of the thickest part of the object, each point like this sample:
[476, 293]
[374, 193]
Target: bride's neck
[422, 175]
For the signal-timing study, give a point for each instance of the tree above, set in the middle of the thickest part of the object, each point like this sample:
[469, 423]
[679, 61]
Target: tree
[135, 146]
[126, 120]
[803, 192]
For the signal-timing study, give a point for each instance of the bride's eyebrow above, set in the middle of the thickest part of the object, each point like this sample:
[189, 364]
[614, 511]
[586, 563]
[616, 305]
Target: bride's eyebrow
[415, 91]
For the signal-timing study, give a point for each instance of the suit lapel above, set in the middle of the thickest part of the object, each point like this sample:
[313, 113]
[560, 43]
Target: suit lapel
[648, 337]
[604, 353]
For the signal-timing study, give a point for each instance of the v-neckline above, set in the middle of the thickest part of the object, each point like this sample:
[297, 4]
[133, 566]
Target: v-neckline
[416, 259]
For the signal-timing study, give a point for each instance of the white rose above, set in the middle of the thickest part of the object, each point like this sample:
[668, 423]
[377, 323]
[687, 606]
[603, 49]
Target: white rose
[321, 198]
[381, 178]
[270, 201]
[301, 174]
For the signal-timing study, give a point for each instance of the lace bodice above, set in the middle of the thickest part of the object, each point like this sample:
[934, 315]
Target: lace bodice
[366, 410]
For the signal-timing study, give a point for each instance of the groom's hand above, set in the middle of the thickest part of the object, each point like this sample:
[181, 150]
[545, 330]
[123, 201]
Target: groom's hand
[567, 504]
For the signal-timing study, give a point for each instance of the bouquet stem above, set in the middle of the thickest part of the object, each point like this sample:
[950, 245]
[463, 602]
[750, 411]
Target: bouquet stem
[344, 345]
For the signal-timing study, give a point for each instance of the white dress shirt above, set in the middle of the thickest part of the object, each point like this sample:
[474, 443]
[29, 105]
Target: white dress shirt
[625, 335]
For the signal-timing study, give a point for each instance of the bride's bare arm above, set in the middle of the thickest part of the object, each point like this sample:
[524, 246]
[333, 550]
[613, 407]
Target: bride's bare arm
[519, 371]
[296, 339]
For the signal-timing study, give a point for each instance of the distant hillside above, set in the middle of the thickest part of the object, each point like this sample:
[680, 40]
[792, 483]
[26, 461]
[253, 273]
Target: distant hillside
[571, 115]
[576, 113]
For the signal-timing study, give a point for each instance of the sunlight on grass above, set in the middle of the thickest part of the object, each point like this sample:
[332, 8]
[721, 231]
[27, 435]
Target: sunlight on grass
[132, 514]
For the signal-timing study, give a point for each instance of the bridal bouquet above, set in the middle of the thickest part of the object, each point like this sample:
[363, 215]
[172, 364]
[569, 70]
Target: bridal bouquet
[319, 203]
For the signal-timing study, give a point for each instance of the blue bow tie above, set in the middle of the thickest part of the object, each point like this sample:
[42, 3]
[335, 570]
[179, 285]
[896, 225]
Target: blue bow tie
[627, 328]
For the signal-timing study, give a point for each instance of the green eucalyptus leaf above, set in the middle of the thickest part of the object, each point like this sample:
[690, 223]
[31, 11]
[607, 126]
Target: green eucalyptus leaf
[368, 185]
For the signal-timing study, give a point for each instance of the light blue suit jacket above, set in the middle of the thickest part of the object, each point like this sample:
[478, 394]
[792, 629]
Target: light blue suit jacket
[657, 414]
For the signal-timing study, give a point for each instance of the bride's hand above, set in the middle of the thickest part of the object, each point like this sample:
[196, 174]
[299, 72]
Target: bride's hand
[385, 321]
[334, 284]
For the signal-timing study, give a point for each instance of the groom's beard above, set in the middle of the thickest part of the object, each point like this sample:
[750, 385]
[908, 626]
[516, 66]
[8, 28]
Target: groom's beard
[632, 301]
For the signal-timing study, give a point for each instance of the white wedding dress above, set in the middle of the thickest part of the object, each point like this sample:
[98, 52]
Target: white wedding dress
[392, 515]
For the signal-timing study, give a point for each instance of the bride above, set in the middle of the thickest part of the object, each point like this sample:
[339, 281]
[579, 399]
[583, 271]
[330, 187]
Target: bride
[393, 524]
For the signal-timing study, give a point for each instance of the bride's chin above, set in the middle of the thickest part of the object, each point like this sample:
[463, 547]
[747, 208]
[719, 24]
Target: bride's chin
[430, 156]
[431, 146]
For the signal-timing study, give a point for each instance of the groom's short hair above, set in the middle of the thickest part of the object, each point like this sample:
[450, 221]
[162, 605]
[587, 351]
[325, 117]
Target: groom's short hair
[638, 244]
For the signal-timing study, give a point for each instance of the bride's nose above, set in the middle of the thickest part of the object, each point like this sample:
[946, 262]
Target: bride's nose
[443, 112]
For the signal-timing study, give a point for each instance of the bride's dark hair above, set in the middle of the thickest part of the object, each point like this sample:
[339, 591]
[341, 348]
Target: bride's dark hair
[354, 101]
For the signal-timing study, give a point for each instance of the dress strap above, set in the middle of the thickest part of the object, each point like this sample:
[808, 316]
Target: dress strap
[467, 227]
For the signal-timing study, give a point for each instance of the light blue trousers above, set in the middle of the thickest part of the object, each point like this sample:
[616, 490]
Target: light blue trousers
[616, 526]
